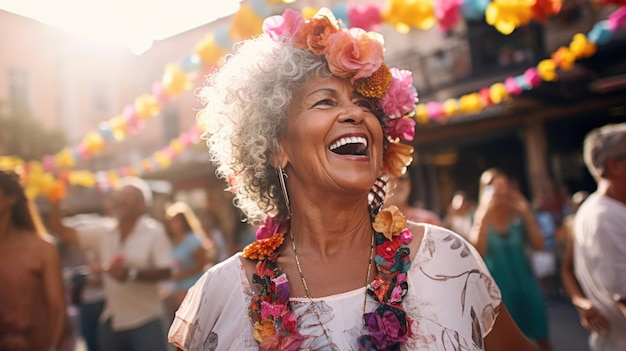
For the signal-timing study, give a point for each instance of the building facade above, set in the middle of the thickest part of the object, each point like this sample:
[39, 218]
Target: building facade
[72, 85]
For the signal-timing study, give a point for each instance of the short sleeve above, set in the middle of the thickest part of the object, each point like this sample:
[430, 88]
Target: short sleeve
[214, 313]
[451, 293]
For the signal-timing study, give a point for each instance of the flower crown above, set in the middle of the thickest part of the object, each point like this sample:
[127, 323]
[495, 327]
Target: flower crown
[358, 55]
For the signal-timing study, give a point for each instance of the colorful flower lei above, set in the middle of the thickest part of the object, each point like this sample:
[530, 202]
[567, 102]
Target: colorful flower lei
[275, 325]
[357, 55]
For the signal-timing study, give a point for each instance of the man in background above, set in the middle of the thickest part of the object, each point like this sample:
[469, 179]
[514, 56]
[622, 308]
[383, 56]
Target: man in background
[134, 255]
[600, 235]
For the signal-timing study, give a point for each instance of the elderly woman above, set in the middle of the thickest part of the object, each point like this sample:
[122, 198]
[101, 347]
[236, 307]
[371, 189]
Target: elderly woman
[304, 122]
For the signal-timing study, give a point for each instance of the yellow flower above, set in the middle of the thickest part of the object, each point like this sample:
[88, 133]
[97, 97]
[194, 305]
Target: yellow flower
[397, 157]
[263, 329]
[404, 15]
[507, 15]
[375, 85]
[547, 70]
[581, 47]
[390, 222]
[498, 93]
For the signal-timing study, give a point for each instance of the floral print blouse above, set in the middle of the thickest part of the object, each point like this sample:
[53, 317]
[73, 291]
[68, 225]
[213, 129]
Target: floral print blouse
[452, 301]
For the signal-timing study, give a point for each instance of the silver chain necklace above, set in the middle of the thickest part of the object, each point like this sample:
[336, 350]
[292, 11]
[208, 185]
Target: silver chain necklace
[308, 294]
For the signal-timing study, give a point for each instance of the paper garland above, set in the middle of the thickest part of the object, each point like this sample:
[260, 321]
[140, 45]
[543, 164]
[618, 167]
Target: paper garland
[504, 15]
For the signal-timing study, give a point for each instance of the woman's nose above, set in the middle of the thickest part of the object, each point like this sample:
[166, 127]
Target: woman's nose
[351, 113]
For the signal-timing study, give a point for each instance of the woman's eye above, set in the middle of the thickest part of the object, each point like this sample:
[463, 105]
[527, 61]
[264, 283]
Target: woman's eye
[366, 104]
[324, 102]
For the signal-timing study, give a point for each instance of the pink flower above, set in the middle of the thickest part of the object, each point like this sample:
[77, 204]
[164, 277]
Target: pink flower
[403, 128]
[434, 110]
[406, 236]
[365, 16]
[396, 294]
[271, 227]
[401, 96]
[353, 53]
[401, 278]
[288, 24]
[271, 310]
[532, 77]
[447, 12]
[617, 19]
[512, 87]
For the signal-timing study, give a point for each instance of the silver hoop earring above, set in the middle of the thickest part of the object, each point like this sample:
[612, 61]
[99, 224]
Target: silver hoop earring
[282, 175]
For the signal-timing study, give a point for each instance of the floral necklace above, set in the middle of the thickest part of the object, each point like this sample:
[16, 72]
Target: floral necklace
[275, 324]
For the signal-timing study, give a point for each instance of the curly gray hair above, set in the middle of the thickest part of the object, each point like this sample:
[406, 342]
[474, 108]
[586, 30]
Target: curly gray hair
[245, 114]
[601, 144]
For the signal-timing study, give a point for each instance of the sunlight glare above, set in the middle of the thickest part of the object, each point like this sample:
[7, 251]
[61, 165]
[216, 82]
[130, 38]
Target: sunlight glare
[131, 23]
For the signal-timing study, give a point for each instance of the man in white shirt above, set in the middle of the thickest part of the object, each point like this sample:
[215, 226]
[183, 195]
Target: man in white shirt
[135, 254]
[600, 236]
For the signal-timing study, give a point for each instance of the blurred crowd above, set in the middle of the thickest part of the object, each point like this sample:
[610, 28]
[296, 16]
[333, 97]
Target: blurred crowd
[116, 277]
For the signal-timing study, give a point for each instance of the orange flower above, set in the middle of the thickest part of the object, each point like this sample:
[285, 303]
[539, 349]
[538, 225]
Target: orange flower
[397, 157]
[544, 9]
[564, 58]
[375, 85]
[314, 33]
[263, 329]
[260, 249]
[389, 222]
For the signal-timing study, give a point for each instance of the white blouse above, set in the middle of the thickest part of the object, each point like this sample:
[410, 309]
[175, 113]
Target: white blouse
[452, 301]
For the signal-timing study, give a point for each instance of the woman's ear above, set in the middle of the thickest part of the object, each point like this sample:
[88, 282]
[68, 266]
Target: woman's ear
[280, 159]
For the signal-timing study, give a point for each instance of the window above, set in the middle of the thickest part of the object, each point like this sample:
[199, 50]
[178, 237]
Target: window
[18, 91]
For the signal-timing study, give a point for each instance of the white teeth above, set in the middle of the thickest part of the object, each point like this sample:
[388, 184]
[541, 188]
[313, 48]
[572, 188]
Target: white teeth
[349, 140]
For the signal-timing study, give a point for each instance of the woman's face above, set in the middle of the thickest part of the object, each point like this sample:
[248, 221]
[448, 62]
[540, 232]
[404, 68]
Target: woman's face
[333, 138]
[175, 225]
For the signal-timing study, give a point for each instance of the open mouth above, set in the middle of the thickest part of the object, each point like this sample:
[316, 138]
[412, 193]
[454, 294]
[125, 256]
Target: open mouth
[355, 145]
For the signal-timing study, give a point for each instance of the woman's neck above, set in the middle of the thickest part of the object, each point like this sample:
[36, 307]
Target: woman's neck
[329, 230]
[177, 238]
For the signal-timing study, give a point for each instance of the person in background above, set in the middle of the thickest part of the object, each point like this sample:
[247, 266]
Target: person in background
[32, 298]
[135, 255]
[192, 251]
[503, 226]
[600, 239]
[399, 193]
[87, 289]
[544, 262]
[590, 317]
[298, 126]
[460, 214]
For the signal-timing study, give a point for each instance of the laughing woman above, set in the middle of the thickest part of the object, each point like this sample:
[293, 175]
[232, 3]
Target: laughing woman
[305, 122]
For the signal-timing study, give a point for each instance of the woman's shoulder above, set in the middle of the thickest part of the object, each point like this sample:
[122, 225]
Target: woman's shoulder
[215, 305]
[443, 247]
[425, 232]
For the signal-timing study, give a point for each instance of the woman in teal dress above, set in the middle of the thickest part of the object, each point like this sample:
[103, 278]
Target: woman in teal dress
[503, 227]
